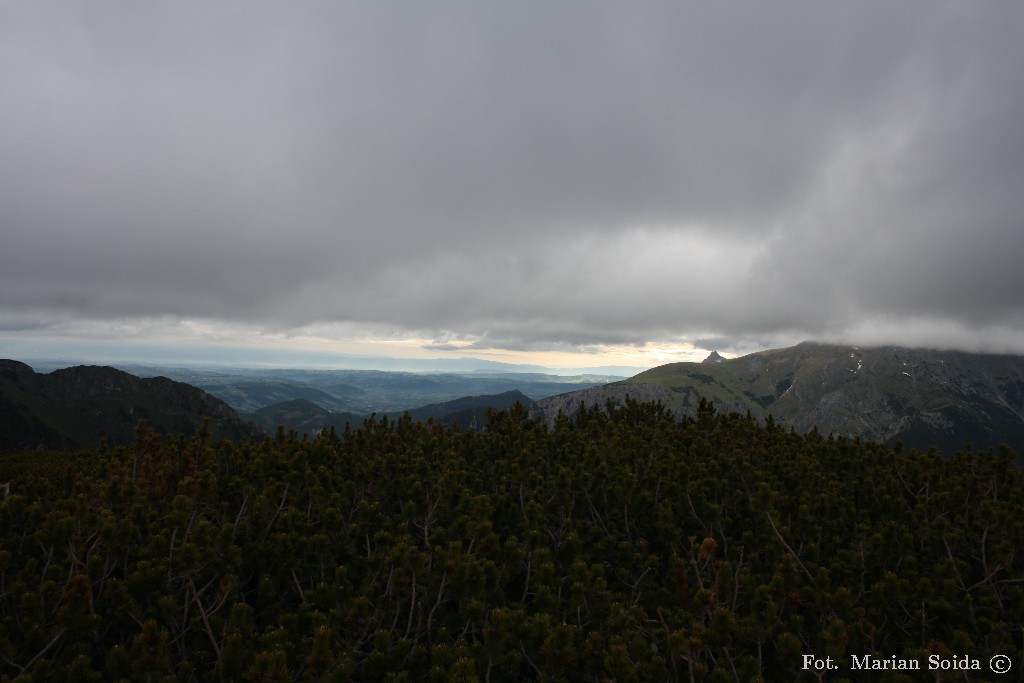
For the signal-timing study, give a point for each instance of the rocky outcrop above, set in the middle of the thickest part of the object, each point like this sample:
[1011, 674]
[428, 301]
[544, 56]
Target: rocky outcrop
[713, 358]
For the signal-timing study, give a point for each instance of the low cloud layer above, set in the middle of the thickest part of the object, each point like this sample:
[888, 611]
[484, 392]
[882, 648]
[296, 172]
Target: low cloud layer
[518, 175]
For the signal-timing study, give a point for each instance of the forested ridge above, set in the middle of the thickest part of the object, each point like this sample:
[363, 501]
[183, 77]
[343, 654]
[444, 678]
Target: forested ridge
[620, 545]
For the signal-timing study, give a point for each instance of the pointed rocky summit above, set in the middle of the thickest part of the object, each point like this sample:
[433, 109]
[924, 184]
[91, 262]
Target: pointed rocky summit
[714, 357]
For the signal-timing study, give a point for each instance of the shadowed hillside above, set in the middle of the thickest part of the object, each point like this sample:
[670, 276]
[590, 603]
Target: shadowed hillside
[81, 406]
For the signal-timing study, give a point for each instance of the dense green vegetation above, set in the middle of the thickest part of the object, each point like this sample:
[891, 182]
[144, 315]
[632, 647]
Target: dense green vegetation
[621, 545]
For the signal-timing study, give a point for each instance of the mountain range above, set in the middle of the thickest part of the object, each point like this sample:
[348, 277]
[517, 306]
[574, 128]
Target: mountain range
[918, 397]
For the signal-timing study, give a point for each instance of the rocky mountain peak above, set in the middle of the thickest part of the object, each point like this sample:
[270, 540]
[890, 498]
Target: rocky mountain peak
[714, 357]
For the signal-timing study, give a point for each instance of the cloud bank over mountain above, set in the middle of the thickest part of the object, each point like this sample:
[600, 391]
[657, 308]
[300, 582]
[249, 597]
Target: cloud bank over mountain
[515, 176]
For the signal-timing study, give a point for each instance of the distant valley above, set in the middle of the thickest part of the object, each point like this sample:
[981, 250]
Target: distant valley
[365, 392]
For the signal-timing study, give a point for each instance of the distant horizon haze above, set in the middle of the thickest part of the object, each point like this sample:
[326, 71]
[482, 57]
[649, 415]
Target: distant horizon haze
[391, 357]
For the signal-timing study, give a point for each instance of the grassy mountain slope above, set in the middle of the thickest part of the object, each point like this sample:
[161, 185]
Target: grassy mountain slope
[922, 397]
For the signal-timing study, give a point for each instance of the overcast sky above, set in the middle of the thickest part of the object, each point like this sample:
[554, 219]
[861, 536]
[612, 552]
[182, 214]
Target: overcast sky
[519, 180]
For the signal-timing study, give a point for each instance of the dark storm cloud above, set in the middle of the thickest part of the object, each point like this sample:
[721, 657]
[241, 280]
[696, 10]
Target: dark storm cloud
[522, 175]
